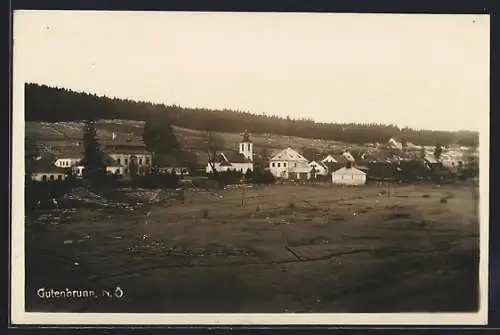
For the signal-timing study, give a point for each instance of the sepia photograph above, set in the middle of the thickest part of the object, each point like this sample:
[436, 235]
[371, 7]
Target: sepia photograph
[249, 168]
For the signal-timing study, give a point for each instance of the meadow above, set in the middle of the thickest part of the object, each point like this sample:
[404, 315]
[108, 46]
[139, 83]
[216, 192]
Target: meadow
[265, 249]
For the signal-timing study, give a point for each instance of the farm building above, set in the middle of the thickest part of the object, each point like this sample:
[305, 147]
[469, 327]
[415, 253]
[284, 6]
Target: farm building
[349, 175]
[235, 161]
[289, 164]
[46, 171]
[320, 169]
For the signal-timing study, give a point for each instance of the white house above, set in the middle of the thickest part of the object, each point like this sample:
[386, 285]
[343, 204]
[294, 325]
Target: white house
[45, 171]
[289, 164]
[68, 160]
[235, 161]
[348, 176]
[329, 159]
[320, 168]
[125, 155]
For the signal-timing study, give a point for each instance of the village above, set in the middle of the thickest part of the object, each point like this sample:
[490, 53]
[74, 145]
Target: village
[392, 161]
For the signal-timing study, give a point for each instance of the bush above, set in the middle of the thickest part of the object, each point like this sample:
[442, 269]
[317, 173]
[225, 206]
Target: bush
[41, 193]
[226, 177]
[261, 176]
[156, 180]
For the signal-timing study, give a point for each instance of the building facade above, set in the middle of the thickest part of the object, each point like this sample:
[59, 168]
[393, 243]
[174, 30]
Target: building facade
[348, 176]
[289, 164]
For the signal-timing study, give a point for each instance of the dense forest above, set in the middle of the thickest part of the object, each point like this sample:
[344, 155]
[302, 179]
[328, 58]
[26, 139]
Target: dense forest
[49, 104]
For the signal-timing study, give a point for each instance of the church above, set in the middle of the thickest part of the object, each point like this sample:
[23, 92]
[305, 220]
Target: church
[242, 160]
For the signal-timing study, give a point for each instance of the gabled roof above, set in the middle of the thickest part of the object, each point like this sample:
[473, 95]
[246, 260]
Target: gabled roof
[74, 154]
[318, 163]
[349, 171]
[231, 157]
[333, 166]
[45, 166]
[289, 154]
[329, 158]
[125, 149]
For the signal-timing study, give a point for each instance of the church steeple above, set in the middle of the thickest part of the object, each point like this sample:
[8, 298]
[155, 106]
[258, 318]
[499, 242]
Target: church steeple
[246, 146]
[246, 137]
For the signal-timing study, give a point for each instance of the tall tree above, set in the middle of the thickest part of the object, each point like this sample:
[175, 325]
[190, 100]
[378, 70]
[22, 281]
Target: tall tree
[422, 152]
[159, 137]
[438, 150]
[212, 145]
[93, 159]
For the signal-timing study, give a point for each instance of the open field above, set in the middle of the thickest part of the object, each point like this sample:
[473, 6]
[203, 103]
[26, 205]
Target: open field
[314, 248]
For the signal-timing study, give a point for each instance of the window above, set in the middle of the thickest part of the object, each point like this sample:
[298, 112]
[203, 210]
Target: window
[248, 147]
[295, 164]
[44, 177]
[279, 164]
[118, 160]
[284, 164]
[242, 147]
[51, 177]
[140, 161]
[126, 161]
[59, 177]
[272, 164]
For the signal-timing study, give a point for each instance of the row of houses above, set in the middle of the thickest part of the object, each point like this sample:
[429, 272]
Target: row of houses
[289, 164]
[286, 164]
[118, 159]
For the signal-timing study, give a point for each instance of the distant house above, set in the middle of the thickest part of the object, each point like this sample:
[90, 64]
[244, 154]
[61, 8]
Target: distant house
[235, 161]
[289, 164]
[349, 176]
[320, 169]
[169, 164]
[329, 159]
[126, 155]
[68, 160]
[110, 165]
[46, 171]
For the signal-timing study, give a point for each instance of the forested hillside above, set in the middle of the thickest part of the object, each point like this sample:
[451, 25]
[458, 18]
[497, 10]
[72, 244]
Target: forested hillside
[44, 103]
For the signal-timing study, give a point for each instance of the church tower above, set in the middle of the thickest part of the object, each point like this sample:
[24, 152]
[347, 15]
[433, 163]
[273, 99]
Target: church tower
[246, 147]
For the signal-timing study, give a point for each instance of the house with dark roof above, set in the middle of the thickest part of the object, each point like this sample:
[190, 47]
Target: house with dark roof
[235, 161]
[126, 155]
[43, 170]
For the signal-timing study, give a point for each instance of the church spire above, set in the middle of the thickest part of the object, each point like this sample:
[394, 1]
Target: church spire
[246, 137]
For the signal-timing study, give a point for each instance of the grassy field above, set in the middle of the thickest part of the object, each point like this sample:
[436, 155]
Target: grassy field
[281, 248]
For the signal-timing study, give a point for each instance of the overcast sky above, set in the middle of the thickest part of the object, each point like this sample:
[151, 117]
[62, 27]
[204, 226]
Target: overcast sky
[422, 71]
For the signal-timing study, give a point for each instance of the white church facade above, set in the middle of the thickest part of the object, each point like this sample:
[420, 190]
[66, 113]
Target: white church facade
[235, 161]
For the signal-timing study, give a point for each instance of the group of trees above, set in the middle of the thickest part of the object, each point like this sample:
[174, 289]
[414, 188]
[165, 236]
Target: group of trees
[43, 103]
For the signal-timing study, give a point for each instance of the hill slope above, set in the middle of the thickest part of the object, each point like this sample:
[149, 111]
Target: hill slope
[54, 135]
[50, 104]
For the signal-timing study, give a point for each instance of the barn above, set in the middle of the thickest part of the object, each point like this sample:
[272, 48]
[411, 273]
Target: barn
[348, 176]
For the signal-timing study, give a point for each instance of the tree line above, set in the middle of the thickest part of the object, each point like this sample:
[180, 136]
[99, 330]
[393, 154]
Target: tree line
[50, 104]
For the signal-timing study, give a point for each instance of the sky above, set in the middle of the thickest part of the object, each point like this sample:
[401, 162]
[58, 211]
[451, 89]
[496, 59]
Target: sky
[421, 71]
